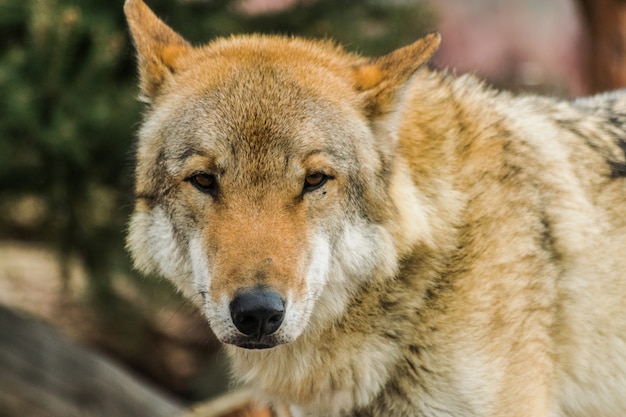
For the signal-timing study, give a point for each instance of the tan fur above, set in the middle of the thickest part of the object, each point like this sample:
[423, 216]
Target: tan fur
[465, 256]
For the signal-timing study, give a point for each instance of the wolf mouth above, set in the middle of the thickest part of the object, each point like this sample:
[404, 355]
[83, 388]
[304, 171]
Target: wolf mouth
[253, 344]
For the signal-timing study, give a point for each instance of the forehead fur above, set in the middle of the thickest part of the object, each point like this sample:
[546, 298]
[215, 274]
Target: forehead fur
[268, 66]
[271, 76]
[257, 87]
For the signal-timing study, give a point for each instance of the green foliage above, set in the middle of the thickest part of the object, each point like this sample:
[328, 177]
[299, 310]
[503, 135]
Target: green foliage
[68, 110]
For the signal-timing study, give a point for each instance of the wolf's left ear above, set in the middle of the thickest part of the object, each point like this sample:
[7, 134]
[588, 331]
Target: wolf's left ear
[380, 79]
[159, 48]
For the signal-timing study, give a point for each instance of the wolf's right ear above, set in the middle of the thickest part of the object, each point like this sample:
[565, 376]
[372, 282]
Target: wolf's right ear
[159, 48]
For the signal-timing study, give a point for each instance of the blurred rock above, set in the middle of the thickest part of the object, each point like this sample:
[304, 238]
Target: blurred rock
[45, 374]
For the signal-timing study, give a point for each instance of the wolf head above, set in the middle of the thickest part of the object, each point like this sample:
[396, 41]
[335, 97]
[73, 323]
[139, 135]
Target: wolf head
[264, 176]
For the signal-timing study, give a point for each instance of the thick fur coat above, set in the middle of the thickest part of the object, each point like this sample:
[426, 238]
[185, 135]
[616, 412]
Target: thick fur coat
[426, 245]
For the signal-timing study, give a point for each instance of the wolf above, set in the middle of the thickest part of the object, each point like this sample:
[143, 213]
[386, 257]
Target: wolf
[373, 237]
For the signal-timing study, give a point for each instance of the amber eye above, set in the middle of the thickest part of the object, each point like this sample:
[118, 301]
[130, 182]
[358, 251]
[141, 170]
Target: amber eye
[314, 181]
[204, 182]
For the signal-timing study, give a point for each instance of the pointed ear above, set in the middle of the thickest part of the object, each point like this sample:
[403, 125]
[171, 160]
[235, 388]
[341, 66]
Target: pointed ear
[381, 79]
[158, 47]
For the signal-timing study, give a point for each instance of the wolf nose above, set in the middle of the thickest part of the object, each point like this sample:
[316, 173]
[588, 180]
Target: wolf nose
[257, 312]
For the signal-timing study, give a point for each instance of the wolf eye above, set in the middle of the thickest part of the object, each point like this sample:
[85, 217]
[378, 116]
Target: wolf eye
[206, 183]
[314, 181]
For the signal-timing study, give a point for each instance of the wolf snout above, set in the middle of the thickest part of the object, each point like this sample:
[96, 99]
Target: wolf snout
[257, 312]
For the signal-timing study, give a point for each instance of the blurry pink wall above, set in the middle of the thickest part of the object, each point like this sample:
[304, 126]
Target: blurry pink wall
[528, 42]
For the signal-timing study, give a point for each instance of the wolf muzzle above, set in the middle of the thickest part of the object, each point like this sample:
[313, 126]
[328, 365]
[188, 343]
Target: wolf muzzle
[257, 312]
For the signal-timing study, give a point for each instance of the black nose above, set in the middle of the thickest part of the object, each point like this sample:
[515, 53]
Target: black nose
[257, 312]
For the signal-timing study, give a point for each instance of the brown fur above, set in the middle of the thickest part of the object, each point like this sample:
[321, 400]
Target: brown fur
[465, 256]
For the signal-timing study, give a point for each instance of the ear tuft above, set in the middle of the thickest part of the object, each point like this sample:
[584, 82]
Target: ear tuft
[380, 79]
[158, 46]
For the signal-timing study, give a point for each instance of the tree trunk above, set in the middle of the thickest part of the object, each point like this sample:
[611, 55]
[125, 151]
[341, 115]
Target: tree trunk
[605, 21]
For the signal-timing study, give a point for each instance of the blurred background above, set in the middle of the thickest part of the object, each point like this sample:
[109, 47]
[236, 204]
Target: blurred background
[79, 328]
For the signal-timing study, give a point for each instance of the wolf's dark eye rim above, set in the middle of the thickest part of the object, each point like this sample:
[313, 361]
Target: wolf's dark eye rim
[207, 183]
[314, 181]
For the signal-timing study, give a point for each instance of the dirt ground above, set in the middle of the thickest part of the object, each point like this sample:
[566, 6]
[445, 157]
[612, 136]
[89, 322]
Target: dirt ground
[30, 281]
